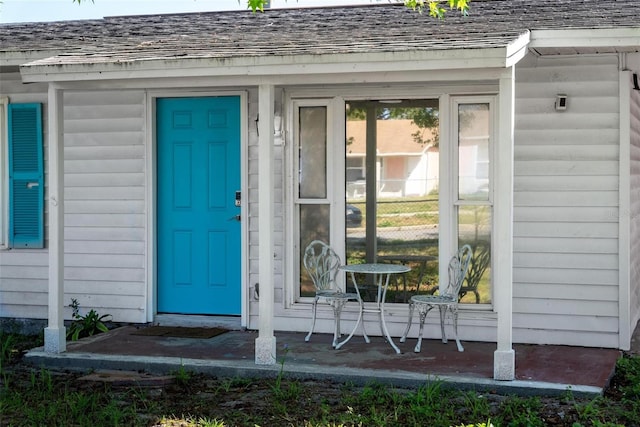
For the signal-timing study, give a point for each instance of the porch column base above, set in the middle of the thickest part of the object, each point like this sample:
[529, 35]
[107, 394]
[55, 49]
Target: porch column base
[504, 365]
[266, 350]
[55, 340]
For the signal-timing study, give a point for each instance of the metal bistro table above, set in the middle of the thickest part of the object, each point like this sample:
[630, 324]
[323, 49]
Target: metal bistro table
[382, 274]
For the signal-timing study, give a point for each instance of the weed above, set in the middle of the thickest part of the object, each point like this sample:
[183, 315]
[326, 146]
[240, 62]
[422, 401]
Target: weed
[87, 325]
[517, 411]
[182, 375]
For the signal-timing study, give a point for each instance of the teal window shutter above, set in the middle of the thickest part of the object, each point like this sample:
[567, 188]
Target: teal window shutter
[26, 176]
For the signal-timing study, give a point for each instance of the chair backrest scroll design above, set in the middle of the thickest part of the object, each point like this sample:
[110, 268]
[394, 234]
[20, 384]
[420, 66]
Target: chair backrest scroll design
[458, 267]
[321, 263]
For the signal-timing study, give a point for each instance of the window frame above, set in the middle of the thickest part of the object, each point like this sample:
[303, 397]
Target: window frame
[334, 177]
[453, 193]
[4, 172]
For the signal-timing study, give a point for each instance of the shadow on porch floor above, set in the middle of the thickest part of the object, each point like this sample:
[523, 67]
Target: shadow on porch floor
[540, 369]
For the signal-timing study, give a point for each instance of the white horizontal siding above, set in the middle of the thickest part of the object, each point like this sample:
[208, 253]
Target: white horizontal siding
[105, 215]
[566, 202]
[24, 273]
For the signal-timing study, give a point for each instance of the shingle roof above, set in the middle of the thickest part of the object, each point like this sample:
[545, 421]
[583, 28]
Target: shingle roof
[311, 31]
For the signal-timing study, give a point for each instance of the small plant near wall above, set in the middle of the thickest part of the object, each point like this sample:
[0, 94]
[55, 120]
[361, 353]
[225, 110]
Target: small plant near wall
[85, 326]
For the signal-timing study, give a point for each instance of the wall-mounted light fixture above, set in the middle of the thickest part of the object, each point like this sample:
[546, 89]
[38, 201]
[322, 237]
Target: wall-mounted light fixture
[561, 102]
[277, 130]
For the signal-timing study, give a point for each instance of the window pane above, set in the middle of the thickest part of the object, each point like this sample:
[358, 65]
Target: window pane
[313, 153]
[473, 152]
[474, 229]
[392, 160]
[314, 224]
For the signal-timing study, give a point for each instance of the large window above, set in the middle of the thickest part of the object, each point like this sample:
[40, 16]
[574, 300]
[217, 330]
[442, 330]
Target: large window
[393, 190]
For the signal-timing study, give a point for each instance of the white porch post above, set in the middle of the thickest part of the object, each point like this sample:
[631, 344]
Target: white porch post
[504, 366]
[54, 333]
[266, 341]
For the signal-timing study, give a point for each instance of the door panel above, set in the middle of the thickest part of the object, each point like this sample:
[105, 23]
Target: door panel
[199, 268]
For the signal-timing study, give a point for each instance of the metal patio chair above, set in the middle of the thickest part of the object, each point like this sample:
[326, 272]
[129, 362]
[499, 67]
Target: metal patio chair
[446, 301]
[322, 263]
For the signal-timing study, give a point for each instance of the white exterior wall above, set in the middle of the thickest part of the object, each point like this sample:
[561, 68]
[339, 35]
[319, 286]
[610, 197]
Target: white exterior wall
[634, 210]
[105, 213]
[566, 202]
[24, 273]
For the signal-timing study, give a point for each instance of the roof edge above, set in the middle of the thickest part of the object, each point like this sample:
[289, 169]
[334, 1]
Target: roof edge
[586, 37]
[497, 57]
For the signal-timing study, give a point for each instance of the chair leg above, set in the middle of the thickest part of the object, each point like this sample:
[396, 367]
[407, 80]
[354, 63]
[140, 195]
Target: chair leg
[337, 311]
[313, 319]
[422, 312]
[403, 338]
[443, 312]
[454, 315]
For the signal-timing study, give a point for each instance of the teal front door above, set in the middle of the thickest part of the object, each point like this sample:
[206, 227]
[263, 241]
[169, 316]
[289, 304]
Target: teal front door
[199, 244]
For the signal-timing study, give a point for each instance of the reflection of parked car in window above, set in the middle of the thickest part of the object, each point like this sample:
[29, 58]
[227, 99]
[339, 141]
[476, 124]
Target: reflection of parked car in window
[354, 216]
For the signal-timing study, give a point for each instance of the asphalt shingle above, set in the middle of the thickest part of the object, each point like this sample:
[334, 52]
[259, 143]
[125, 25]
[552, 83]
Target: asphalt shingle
[307, 31]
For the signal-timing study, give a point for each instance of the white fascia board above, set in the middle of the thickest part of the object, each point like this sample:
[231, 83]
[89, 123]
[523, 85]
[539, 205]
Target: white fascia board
[517, 49]
[271, 66]
[591, 37]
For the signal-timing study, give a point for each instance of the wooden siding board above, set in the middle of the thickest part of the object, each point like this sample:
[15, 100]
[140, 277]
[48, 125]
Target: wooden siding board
[104, 260]
[586, 214]
[537, 306]
[104, 193]
[566, 168]
[568, 199]
[538, 244]
[111, 152]
[105, 206]
[555, 260]
[105, 220]
[561, 322]
[104, 179]
[568, 137]
[566, 291]
[105, 247]
[104, 166]
[114, 273]
[560, 276]
[19, 284]
[108, 138]
[573, 230]
[555, 152]
[104, 233]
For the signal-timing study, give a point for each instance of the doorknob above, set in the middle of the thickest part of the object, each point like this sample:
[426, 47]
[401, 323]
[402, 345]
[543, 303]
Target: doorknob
[30, 185]
[236, 217]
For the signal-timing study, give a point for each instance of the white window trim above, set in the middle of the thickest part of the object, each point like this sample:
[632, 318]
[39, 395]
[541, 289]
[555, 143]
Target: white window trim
[452, 193]
[4, 171]
[315, 96]
[335, 178]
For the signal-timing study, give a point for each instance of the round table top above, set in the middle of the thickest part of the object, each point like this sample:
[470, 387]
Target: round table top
[375, 268]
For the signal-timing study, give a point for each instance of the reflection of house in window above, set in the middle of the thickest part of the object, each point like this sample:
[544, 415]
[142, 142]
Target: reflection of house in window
[405, 166]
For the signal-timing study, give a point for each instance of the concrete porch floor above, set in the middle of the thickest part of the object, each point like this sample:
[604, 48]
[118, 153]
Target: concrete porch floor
[540, 369]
